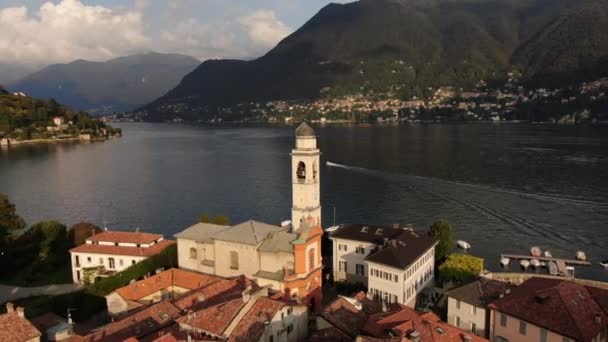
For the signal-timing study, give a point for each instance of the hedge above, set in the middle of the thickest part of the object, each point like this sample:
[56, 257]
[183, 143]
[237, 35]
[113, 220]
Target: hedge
[460, 267]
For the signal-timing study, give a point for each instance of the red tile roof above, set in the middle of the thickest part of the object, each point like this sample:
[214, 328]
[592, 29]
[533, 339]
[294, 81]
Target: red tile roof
[330, 334]
[251, 327]
[402, 321]
[172, 277]
[16, 329]
[345, 316]
[46, 321]
[125, 237]
[564, 307]
[214, 319]
[120, 250]
[214, 293]
[141, 323]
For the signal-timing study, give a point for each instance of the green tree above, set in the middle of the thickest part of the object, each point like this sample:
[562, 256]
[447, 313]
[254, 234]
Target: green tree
[221, 220]
[204, 218]
[442, 231]
[460, 267]
[8, 215]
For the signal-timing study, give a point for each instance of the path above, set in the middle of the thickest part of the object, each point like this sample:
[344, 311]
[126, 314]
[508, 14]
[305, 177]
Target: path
[11, 293]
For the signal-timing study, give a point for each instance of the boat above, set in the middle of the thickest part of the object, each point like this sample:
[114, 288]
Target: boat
[552, 266]
[543, 264]
[548, 254]
[332, 229]
[604, 263]
[463, 244]
[505, 262]
[535, 251]
[524, 263]
[580, 255]
[535, 263]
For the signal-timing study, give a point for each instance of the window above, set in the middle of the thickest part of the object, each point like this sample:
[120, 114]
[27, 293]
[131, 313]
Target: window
[120, 262]
[474, 310]
[234, 260]
[271, 338]
[301, 172]
[89, 260]
[457, 321]
[457, 304]
[359, 269]
[396, 278]
[503, 320]
[101, 261]
[289, 328]
[522, 327]
[543, 335]
[111, 263]
[342, 267]
[132, 262]
[474, 328]
[311, 259]
[77, 261]
[289, 310]
[314, 170]
[360, 250]
[345, 248]
[192, 253]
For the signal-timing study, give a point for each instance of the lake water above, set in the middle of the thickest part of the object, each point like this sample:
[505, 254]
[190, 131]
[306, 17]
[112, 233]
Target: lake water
[504, 187]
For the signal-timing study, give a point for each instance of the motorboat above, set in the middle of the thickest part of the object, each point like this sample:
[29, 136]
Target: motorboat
[543, 264]
[552, 266]
[604, 263]
[535, 263]
[580, 255]
[525, 263]
[535, 251]
[332, 229]
[505, 262]
[548, 254]
[463, 244]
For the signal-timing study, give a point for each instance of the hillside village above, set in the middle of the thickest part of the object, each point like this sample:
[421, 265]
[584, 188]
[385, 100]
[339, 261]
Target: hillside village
[255, 281]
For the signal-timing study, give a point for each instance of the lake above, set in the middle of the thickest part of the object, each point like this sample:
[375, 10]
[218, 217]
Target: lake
[504, 187]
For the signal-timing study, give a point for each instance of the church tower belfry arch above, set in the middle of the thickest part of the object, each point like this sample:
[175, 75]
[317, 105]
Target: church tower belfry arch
[306, 178]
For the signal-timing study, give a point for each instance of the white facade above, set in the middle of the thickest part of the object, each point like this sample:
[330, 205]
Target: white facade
[349, 260]
[306, 180]
[290, 324]
[390, 284]
[467, 316]
[111, 262]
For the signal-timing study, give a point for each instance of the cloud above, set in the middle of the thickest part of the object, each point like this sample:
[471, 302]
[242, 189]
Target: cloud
[264, 28]
[69, 30]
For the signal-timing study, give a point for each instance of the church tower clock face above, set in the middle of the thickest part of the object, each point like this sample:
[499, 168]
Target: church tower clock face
[306, 177]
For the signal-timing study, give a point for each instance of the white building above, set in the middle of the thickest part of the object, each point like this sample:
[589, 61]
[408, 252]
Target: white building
[468, 304]
[396, 264]
[306, 178]
[113, 251]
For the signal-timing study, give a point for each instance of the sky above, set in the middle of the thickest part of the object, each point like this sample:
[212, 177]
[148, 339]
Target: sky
[36, 33]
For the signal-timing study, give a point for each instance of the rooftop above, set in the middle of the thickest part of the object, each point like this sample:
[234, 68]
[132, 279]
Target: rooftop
[252, 325]
[214, 293]
[172, 277]
[121, 250]
[125, 237]
[279, 242]
[305, 131]
[202, 232]
[249, 232]
[15, 328]
[345, 316]
[480, 292]
[403, 250]
[564, 307]
[366, 233]
[214, 319]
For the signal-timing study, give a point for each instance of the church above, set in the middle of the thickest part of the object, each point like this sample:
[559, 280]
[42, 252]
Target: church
[287, 260]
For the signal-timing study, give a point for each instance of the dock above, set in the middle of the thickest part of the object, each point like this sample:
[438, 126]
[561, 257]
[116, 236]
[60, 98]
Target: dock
[558, 261]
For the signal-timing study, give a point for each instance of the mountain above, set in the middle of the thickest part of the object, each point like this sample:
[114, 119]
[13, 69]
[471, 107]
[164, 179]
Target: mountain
[116, 85]
[403, 47]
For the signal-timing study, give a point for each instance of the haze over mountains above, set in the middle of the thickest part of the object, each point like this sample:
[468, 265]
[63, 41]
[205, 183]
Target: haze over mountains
[120, 84]
[374, 45]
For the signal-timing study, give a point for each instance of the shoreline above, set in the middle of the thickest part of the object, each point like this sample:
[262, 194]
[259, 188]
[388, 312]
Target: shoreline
[13, 143]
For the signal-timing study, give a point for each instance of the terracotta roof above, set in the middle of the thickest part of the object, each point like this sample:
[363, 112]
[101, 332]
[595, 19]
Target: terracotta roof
[172, 277]
[214, 293]
[214, 319]
[401, 321]
[251, 327]
[369, 306]
[119, 250]
[345, 316]
[480, 292]
[139, 324]
[125, 237]
[403, 250]
[16, 329]
[330, 334]
[562, 306]
[173, 333]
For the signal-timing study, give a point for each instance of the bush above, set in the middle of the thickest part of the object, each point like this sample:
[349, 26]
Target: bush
[442, 231]
[460, 267]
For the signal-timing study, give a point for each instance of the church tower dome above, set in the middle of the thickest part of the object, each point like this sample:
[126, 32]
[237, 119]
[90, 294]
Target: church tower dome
[306, 179]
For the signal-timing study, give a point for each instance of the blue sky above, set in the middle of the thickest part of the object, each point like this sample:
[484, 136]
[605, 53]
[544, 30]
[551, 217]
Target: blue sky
[54, 31]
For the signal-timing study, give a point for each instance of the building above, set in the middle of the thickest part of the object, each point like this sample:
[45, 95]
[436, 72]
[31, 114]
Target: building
[164, 285]
[58, 121]
[113, 251]
[53, 327]
[395, 263]
[15, 327]
[544, 309]
[468, 304]
[284, 259]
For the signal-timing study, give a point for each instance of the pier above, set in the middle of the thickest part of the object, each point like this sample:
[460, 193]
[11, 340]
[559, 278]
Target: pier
[558, 261]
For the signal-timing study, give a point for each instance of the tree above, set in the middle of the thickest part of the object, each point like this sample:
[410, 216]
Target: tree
[204, 218]
[460, 267]
[8, 215]
[442, 231]
[222, 220]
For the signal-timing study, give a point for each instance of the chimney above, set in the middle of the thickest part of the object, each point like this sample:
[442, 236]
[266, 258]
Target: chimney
[137, 230]
[507, 291]
[159, 270]
[385, 242]
[10, 307]
[201, 297]
[414, 336]
[394, 243]
[501, 295]
[598, 318]
[20, 312]
[246, 296]
[467, 338]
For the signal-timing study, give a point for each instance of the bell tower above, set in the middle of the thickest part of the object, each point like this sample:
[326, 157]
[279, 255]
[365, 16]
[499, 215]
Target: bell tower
[306, 179]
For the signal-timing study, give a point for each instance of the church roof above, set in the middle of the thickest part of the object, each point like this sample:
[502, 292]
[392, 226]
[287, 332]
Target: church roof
[278, 242]
[202, 232]
[305, 131]
[249, 232]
